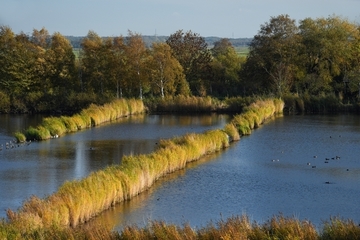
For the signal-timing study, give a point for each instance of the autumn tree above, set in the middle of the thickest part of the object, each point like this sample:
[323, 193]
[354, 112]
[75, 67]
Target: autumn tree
[119, 67]
[272, 60]
[192, 52]
[137, 55]
[18, 75]
[61, 61]
[167, 76]
[94, 62]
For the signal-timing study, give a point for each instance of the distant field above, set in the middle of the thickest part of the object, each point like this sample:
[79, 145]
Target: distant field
[242, 51]
[76, 51]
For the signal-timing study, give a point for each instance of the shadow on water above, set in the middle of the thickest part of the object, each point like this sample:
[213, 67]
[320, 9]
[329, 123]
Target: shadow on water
[139, 208]
[270, 172]
[42, 167]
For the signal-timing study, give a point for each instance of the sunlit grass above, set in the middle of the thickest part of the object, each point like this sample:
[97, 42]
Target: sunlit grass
[78, 201]
[92, 116]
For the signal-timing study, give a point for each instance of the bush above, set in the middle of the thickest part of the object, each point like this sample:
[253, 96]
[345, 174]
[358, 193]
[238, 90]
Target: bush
[20, 137]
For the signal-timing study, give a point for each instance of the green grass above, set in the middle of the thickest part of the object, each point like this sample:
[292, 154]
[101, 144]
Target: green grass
[92, 116]
[242, 51]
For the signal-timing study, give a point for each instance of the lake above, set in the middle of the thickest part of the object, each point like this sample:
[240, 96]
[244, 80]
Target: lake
[306, 166]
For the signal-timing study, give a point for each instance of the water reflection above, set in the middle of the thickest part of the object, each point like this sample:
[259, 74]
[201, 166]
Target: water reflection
[41, 167]
[244, 180]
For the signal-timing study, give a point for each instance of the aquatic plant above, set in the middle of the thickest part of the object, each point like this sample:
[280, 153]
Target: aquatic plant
[20, 137]
[181, 103]
[78, 201]
[55, 126]
[92, 116]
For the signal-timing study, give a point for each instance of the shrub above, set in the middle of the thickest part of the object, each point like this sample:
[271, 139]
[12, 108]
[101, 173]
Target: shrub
[20, 137]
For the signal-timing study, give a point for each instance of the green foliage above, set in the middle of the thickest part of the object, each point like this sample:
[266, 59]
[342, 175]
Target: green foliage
[39, 133]
[20, 137]
[4, 103]
[315, 104]
[192, 52]
[55, 126]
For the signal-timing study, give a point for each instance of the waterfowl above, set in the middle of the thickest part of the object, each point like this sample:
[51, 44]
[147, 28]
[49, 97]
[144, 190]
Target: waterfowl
[308, 164]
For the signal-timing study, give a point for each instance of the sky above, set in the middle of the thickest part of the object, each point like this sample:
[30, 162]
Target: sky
[220, 18]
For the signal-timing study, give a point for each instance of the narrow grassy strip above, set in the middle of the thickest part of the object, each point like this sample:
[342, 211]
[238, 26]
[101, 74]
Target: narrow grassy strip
[90, 117]
[78, 201]
[255, 114]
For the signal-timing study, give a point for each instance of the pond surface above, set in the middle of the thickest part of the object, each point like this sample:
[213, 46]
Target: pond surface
[281, 167]
[41, 167]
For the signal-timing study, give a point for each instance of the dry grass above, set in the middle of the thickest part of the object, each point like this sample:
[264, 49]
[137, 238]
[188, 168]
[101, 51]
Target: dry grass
[78, 201]
[92, 116]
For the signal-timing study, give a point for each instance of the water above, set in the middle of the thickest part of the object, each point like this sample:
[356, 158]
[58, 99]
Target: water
[41, 167]
[262, 175]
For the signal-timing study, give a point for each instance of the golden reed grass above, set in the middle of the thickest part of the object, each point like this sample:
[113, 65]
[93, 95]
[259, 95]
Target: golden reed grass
[183, 103]
[78, 201]
[89, 117]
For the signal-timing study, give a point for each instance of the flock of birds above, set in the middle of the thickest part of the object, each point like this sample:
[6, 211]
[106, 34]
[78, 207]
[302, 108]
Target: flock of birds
[327, 159]
[13, 144]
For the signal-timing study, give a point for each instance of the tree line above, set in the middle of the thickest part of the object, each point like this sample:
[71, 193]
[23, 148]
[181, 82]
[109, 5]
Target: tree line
[42, 72]
[315, 57]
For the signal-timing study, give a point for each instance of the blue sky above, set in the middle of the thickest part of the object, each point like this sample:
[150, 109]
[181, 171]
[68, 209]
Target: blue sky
[221, 18]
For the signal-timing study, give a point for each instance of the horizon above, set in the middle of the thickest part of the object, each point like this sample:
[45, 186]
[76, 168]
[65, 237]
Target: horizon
[224, 19]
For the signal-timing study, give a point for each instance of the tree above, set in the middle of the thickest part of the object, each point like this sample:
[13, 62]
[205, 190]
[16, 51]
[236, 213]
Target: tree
[93, 62]
[330, 53]
[137, 55]
[194, 56]
[17, 71]
[119, 65]
[167, 73]
[225, 68]
[272, 60]
[61, 59]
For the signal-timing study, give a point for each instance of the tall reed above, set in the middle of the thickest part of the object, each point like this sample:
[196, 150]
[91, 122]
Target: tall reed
[255, 114]
[78, 201]
[89, 117]
[182, 103]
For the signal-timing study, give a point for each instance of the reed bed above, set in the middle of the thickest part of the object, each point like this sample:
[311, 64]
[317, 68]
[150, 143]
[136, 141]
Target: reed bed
[235, 227]
[255, 114]
[78, 201]
[92, 116]
[183, 103]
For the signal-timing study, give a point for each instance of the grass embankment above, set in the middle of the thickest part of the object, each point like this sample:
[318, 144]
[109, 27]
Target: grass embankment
[92, 116]
[78, 201]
